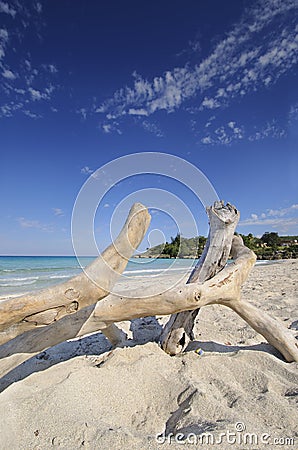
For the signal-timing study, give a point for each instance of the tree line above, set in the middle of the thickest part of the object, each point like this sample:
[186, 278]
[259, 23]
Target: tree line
[272, 246]
[269, 246]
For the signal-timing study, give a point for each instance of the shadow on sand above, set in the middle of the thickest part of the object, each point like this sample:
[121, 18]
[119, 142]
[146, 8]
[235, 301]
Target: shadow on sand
[142, 331]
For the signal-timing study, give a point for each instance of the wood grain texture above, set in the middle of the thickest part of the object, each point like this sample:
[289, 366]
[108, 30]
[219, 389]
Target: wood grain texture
[223, 220]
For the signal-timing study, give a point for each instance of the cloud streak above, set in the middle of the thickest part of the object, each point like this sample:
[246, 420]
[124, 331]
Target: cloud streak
[58, 212]
[7, 9]
[36, 224]
[225, 134]
[282, 219]
[23, 86]
[231, 132]
[86, 170]
[3, 43]
[235, 67]
[152, 128]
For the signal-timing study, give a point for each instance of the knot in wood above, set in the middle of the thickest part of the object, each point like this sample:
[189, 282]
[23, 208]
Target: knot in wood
[197, 295]
[73, 307]
[71, 294]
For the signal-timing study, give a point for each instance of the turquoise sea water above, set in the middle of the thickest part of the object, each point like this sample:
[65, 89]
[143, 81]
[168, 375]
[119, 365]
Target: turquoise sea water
[21, 274]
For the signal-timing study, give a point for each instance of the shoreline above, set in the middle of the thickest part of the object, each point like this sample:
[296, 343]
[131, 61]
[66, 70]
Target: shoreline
[132, 275]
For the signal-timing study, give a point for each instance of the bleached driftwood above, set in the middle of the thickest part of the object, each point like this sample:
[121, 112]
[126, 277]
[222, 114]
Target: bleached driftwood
[224, 288]
[45, 307]
[222, 224]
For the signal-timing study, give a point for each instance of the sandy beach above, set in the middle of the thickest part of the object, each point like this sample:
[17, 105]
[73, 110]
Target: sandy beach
[239, 393]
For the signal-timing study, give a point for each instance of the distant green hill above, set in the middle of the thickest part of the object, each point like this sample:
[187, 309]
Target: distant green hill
[179, 247]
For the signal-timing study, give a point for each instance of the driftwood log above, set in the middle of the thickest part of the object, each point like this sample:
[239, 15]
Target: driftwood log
[223, 220]
[45, 307]
[32, 323]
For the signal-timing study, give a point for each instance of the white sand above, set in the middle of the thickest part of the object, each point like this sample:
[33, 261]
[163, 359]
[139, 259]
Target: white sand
[81, 395]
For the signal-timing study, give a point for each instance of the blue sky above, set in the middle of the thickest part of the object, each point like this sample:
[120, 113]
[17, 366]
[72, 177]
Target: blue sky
[83, 83]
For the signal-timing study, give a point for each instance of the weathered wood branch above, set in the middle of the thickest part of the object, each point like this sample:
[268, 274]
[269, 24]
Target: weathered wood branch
[270, 328]
[224, 288]
[115, 308]
[222, 223]
[24, 346]
[20, 314]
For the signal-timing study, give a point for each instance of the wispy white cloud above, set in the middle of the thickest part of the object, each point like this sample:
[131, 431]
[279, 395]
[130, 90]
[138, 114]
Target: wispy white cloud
[3, 34]
[137, 112]
[194, 46]
[209, 103]
[35, 94]
[86, 170]
[231, 132]
[25, 223]
[225, 134]
[282, 219]
[21, 82]
[283, 211]
[8, 109]
[3, 42]
[152, 128]
[82, 112]
[38, 7]
[293, 114]
[8, 74]
[22, 104]
[32, 114]
[7, 9]
[285, 225]
[207, 140]
[58, 212]
[38, 95]
[110, 127]
[270, 129]
[234, 68]
[107, 128]
[50, 68]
